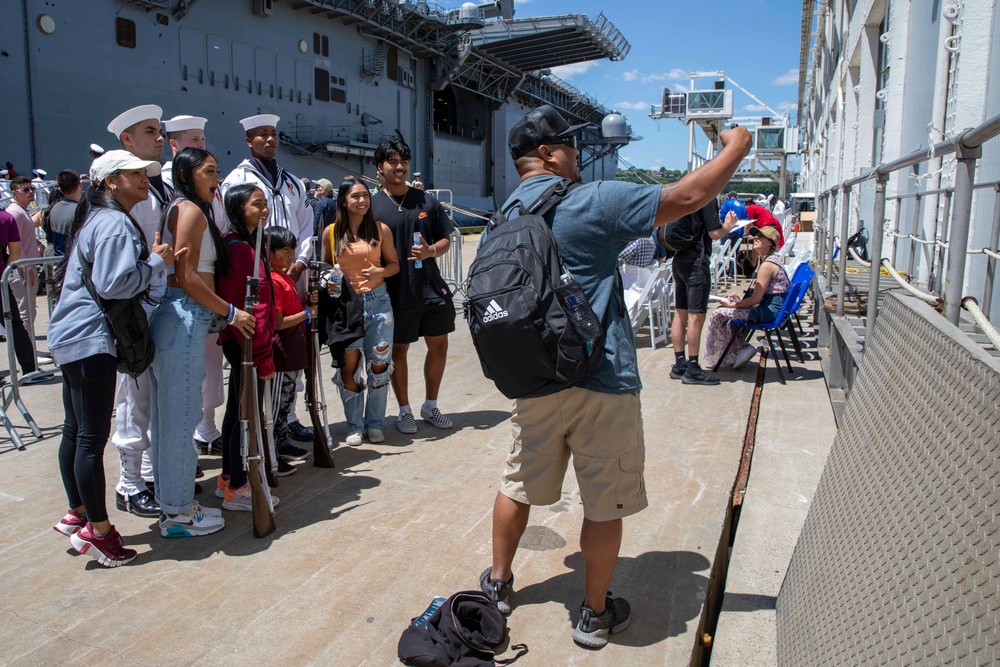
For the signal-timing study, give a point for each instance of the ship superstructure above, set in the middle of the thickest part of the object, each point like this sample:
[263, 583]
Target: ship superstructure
[342, 74]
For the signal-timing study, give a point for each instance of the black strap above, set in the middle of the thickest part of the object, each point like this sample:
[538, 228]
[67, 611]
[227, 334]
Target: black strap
[521, 650]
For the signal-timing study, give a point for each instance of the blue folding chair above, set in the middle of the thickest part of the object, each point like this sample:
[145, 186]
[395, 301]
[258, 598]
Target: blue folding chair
[793, 299]
[803, 276]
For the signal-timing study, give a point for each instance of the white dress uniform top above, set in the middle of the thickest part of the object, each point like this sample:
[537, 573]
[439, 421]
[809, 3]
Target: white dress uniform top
[213, 388]
[132, 400]
[286, 200]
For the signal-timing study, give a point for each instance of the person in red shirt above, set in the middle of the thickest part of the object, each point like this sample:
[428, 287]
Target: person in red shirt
[246, 208]
[761, 217]
[291, 317]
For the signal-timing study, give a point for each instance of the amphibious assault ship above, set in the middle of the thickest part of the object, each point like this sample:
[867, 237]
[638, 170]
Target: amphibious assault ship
[342, 74]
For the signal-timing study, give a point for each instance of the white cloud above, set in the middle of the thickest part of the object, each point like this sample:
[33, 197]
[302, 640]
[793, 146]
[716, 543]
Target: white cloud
[754, 107]
[521, 2]
[631, 75]
[639, 106]
[789, 78]
[676, 74]
[567, 72]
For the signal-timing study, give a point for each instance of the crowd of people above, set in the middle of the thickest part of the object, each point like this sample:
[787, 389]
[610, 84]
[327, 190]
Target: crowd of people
[180, 239]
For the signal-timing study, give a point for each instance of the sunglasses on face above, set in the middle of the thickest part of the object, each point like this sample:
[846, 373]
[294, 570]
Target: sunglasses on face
[570, 141]
[28, 188]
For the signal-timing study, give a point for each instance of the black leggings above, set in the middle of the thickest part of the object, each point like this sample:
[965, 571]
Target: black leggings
[232, 461]
[88, 399]
[22, 341]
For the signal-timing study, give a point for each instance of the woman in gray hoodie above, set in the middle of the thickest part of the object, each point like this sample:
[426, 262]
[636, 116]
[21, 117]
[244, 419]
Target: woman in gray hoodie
[123, 267]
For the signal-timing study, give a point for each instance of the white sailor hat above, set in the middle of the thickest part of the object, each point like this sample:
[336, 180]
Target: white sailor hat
[416, 174]
[41, 173]
[113, 161]
[134, 115]
[3, 172]
[260, 120]
[94, 148]
[182, 123]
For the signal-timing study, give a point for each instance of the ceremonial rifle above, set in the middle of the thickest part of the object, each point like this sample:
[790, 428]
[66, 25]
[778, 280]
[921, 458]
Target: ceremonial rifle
[315, 396]
[252, 446]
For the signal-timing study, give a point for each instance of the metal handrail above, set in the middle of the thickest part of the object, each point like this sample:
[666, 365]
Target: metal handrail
[15, 382]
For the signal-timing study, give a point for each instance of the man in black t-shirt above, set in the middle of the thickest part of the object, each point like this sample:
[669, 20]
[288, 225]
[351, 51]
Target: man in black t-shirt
[692, 284]
[421, 301]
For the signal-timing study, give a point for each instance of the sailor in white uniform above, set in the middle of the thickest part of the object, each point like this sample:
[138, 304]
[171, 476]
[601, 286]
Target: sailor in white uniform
[286, 200]
[189, 132]
[138, 129]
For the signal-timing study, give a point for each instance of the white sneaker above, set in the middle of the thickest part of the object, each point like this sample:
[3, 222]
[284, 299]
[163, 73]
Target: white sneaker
[192, 524]
[376, 435]
[406, 423]
[44, 361]
[355, 438]
[435, 418]
[241, 499]
[207, 511]
[743, 356]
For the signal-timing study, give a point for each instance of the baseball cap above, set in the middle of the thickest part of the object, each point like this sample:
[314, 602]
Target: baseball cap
[113, 161]
[768, 232]
[325, 184]
[539, 127]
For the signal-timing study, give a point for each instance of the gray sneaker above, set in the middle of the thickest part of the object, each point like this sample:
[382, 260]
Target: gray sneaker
[592, 630]
[497, 590]
[406, 423]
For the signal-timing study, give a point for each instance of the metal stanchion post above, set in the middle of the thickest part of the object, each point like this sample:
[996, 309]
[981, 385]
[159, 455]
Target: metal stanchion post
[831, 242]
[959, 232]
[895, 230]
[913, 242]
[878, 231]
[991, 262]
[845, 214]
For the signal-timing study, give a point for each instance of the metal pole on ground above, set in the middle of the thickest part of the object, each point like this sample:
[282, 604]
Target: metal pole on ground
[878, 231]
[830, 241]
[913, 242]
[991, 262]
[895, 230]
[821, 230]
[938, 252]
[845, 214]
[959, 234]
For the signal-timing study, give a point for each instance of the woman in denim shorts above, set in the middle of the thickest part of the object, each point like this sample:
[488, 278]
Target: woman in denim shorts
[365, 252]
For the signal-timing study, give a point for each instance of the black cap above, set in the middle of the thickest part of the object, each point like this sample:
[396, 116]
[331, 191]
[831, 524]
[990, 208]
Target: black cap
[538, 127]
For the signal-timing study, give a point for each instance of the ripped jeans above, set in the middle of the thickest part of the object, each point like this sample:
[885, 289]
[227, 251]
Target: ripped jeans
[376, 348]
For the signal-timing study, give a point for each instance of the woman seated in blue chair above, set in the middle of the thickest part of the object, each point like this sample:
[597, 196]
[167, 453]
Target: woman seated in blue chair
[762, 302]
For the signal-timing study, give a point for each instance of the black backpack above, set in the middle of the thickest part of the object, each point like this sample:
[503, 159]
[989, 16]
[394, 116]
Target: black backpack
[463, 632]
[526, 341]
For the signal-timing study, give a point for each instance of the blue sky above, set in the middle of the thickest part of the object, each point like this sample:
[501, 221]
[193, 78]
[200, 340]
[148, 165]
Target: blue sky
[756, 42]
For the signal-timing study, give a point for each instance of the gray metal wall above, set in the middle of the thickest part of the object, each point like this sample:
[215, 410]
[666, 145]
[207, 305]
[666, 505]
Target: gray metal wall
[897, 563]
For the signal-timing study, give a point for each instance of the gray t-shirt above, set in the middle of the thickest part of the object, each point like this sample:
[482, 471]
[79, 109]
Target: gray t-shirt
[592, 225]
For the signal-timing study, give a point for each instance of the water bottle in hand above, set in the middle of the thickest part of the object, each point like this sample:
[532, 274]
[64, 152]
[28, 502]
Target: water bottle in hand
[332, 281]
[575, 303]
[416, 241]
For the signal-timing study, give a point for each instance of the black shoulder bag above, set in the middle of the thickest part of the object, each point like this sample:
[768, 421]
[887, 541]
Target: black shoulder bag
[128, 324]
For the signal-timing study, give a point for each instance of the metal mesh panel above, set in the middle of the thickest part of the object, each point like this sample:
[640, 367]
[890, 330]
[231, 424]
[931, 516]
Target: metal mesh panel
[897, 563]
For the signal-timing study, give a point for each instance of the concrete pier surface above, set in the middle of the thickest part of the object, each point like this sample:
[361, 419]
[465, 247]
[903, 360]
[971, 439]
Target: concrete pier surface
[362, 549]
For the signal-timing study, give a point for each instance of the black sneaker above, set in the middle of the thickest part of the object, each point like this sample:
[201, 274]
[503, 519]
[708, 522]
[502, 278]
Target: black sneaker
[290, 452]
[497, 590]
[698, 375]
[208, 447]
[299, 432]
[284, 468]
[140, 504]
[592, 630]
[677, 370]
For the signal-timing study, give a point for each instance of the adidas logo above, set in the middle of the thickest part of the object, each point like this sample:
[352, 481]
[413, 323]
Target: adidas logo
[494, 312]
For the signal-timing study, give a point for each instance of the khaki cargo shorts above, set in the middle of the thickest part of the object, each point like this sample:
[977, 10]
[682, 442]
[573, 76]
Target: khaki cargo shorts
[603, 432]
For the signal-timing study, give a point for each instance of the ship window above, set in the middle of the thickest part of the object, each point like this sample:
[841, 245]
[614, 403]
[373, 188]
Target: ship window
[317, 49]
[338, 95]
[322, 88]
[125, 33]
[326, 46]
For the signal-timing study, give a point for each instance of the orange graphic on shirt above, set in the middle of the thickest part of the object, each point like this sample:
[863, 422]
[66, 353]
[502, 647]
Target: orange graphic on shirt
[423, 214]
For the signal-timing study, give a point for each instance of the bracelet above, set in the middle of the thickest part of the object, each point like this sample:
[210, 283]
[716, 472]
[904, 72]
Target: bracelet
[233, 313]
[309, 319]
[229, 315]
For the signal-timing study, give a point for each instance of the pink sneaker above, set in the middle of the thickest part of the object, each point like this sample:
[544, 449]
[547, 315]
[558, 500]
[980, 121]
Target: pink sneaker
[70, 523]
[109, 550]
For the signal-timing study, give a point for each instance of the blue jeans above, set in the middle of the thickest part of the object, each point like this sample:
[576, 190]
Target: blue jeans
[379, 324]
[179, 328]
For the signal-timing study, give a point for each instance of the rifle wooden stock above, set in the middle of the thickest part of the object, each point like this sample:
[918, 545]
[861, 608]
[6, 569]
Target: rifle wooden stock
[322, 444]
[252, 444]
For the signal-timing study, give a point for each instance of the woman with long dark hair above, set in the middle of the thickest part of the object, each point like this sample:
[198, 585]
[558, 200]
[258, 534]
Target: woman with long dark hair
[106, 243]
[366, 253]
[189, 309]
[246, 208]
